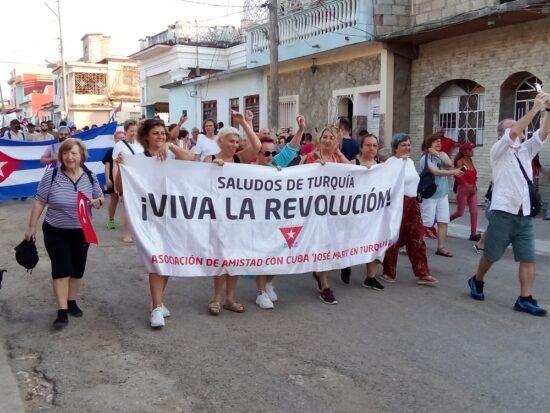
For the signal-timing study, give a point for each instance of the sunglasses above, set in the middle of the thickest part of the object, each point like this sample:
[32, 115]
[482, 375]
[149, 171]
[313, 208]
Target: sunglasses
[268, 153]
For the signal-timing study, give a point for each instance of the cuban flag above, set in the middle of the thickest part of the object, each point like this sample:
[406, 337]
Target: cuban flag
[21, 170]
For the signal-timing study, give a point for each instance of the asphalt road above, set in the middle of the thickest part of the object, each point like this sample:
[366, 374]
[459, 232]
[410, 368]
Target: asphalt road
[407, 349]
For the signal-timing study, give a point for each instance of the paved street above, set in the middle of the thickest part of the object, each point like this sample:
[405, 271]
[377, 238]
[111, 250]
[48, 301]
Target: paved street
[407, 349]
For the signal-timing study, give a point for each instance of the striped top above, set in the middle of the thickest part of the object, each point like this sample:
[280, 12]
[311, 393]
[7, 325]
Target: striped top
[61, 197]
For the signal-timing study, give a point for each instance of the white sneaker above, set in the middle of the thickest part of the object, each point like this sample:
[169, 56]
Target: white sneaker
[270, 291]
[157, 320]
[264, 302]
[165, 312]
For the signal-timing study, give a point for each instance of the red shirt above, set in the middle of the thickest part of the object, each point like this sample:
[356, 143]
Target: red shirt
[307, 148]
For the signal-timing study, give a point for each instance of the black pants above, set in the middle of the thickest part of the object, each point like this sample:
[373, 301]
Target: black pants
[67, 249]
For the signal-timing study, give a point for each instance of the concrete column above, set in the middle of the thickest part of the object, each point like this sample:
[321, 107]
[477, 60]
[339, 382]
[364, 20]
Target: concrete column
[386, 96]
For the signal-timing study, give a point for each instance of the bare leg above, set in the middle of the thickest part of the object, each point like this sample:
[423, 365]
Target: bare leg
[126, 234]
[441, 235]
[483, 267]
[74, 288]
[481, 242]
[269, 278]
[61, 291]
[113, 202]
[219, 282]
[526, 278]
[371, 269]
[157, 284]
[261, 281]
[323, 277]
[231, 288]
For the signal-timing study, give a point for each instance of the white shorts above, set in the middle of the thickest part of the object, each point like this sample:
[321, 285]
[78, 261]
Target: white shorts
[435, 210]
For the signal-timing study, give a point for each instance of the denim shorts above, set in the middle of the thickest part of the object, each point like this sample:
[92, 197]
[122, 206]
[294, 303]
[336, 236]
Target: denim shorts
[505, 229]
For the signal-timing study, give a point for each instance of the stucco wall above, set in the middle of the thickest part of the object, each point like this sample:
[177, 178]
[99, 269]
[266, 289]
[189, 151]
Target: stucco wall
[315, 90]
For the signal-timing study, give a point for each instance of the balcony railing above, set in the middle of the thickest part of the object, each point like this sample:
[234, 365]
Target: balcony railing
[185, 33]
[327, 18]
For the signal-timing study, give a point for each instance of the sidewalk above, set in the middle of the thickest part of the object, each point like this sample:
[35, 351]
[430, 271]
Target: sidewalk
[10, 397]
[460, 228]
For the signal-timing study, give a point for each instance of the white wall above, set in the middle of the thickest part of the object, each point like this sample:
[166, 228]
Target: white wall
[247, 83]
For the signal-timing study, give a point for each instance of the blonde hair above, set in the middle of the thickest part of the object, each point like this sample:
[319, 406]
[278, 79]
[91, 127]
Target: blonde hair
[68, 144]
[331, 128]
[228, 130]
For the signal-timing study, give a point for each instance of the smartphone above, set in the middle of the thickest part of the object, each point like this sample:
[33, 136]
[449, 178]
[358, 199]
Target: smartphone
[184, 112]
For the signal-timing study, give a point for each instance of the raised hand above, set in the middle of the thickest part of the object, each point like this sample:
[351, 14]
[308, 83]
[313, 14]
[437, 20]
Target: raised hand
[239, 117]
[301, 121]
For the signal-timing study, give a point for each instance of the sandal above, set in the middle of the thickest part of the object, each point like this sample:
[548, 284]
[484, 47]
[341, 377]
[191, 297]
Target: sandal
[429, 280]
[443, 253]
[234, 306]
[214, 308]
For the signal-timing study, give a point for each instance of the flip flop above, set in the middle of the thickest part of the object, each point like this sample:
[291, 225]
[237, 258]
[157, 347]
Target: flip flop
[443, 253]
[234, 306]
[214, 308]
[429, 280]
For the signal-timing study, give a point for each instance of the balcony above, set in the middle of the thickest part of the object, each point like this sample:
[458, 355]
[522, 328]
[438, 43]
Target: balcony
[329, 25]
[189, 34]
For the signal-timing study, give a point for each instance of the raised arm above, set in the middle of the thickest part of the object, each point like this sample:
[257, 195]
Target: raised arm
[181, 153]
[545, 124]
[248, 154]
[295, 142]
[523, 123]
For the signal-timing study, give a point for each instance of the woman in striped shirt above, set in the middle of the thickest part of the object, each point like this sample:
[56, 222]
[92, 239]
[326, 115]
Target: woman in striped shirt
[63, 235]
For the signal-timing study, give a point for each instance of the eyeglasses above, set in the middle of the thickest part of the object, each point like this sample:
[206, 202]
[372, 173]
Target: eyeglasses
[268, 153]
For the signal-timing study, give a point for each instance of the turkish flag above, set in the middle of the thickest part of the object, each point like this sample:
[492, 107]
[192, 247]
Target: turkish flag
[84, 218]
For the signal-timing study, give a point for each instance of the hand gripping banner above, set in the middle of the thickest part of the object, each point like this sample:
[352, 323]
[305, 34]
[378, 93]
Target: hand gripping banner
[198, 219]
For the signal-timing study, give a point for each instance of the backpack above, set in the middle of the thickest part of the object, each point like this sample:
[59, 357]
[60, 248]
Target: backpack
[427, 185]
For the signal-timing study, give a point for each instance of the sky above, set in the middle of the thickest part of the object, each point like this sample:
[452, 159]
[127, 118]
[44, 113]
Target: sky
[34, 32]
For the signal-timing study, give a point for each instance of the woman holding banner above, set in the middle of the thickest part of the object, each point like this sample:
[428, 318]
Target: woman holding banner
[228, 140]
[152, 137]
[268, 156]
[63, 235]
[328, 150]
[411, 231]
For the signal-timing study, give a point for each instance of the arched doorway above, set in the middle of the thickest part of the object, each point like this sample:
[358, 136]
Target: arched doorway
[345, 107]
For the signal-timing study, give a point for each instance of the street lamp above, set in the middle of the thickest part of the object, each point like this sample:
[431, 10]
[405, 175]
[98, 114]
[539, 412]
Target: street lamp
[63, 78]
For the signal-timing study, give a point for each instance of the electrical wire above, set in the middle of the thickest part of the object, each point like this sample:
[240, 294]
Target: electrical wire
[218, 5]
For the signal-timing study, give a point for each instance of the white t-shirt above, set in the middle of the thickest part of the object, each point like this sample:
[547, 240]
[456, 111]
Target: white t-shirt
[122, 147]
[38, 137]
[205, 147]
[411, 177]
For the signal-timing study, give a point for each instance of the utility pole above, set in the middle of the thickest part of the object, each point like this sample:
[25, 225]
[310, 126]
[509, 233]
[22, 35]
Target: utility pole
[64, 82]
[273, 67]
[63, 75]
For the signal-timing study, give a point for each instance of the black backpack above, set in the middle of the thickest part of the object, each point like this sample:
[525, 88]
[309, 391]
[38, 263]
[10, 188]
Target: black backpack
[426, 186]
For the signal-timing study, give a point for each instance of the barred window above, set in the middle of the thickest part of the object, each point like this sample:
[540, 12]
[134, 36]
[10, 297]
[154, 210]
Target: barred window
[233, 106]
[130, 76]
[90, 83]
[288, 110]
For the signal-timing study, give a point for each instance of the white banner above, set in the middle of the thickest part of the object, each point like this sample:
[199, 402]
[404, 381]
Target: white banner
[198, 219]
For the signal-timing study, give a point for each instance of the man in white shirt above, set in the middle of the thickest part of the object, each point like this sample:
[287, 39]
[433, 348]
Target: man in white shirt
[16, 133]
[510, 221]
[43, 135]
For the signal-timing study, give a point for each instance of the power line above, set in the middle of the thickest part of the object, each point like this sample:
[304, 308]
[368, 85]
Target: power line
[216, 5]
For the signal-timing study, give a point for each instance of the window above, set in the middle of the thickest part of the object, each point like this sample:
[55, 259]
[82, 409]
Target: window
[233, 106]
[210, 110]
[130, 76]
[525, 97]
[462, 114]
[90, 83]
[288, 110]
[253, 103]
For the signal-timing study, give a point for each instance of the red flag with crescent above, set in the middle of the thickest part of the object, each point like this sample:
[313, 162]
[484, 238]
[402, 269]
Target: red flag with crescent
[85, 219]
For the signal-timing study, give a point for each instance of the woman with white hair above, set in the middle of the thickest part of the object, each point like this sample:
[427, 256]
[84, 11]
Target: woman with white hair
[228, 141]
[411, 231]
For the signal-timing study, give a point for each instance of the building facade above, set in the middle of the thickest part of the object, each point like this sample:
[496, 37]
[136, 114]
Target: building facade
[31, 89]
[473, 63]
[95, 88]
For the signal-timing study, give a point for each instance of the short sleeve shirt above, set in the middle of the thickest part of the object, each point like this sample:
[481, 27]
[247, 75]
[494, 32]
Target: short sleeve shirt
[122, 147]
[441, 182]
[60, 194]
[205, 147]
